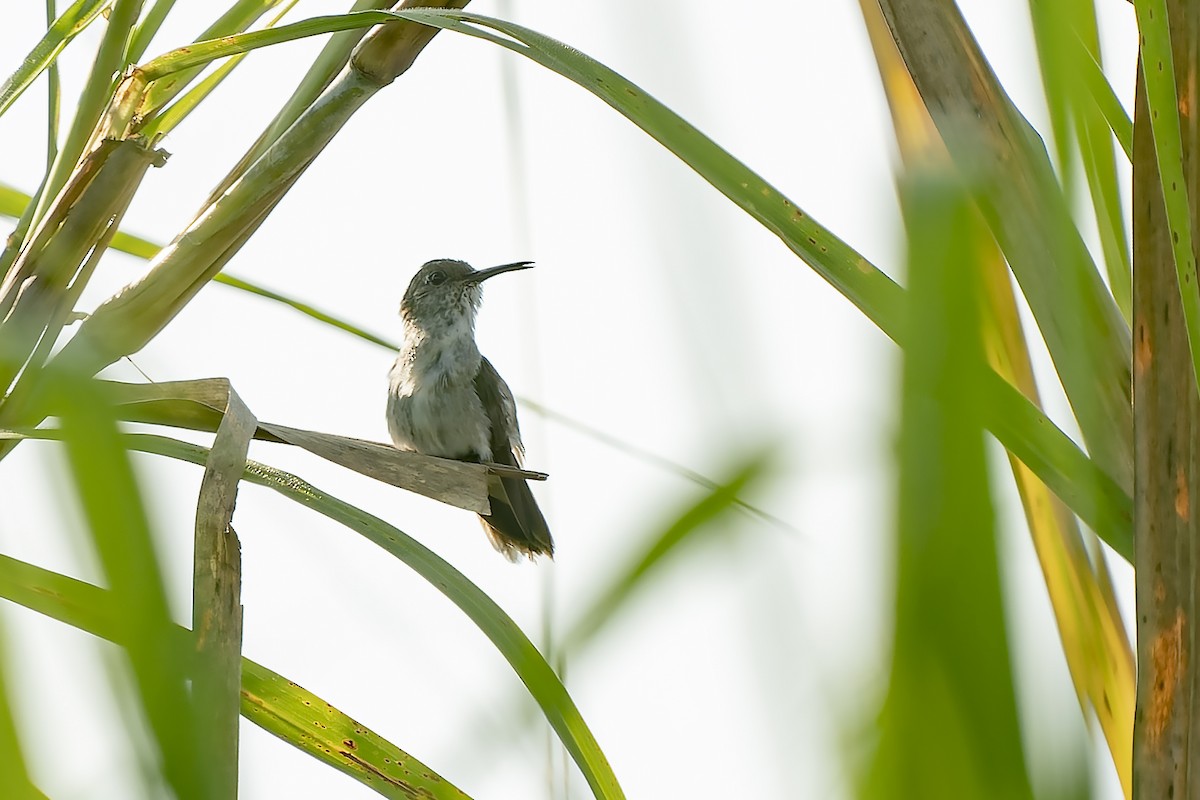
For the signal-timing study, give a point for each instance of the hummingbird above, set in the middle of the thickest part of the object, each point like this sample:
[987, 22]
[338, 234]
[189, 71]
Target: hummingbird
[445, 399]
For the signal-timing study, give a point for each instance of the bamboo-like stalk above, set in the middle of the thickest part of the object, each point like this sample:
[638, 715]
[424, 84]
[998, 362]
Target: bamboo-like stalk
[1166, 742]
[54, 265]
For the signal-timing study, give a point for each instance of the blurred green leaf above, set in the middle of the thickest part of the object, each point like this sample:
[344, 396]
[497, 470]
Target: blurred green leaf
[949, 725]
[681, 534]
[1093, 635]
[1109, 106]
[120, 533]
[269, 700]
[14, 777]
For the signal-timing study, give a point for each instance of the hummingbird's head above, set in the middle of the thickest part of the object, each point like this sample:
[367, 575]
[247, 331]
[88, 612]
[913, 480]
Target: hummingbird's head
[444, 290]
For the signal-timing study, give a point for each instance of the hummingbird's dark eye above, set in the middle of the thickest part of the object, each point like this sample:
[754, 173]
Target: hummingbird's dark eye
[436, 277]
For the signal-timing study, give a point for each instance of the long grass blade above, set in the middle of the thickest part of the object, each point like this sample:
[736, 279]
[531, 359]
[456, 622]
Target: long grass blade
[269, 700]
[1024, 206]
[53, 96]
[170, 117]
[543, 685]
[1102, 501]
[200, 54]
[44, 54]
[236, 19]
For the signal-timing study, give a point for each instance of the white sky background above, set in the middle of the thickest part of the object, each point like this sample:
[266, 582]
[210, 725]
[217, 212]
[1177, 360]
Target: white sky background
[659, 313]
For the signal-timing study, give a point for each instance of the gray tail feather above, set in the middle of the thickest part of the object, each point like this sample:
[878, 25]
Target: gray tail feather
[516, 526]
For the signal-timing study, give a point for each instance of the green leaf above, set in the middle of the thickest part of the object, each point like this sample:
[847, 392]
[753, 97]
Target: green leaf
[1068, 51]
[275, 704]
[201, 53]
[14, 777]
[1003, 158]
[120, 532]
[1100, 500]
[302, 719]
[949, 724]
[68, 25]
[1108, 105]
[234, 21]
[543, 685]
[680, 534]
[861, 282]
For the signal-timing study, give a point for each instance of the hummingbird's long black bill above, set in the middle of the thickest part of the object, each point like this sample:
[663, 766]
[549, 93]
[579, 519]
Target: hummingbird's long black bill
[483, 274]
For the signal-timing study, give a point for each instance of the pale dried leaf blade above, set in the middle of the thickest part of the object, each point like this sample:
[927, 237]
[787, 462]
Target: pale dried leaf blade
[198, 405]
[455, 482]
[216, 592]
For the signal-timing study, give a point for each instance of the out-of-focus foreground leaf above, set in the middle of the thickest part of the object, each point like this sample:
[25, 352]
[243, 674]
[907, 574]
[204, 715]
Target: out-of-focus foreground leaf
[1093, 635]
[269, 700]
[949, 723]
[697, 522]
[14, 777]
[120, 534]
[682, 532]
